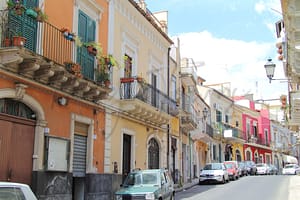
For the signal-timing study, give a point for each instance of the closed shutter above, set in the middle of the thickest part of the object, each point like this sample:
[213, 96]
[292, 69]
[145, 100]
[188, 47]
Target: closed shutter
[24, 25]
[86, 32]
[79, 156]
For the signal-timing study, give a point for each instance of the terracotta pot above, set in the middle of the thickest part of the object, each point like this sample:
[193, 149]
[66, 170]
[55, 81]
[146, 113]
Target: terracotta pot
[6, 42]
[18, 41]
[91, 50]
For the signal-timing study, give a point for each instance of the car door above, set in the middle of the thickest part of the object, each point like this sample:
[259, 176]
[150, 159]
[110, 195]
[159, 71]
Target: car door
[164, 186]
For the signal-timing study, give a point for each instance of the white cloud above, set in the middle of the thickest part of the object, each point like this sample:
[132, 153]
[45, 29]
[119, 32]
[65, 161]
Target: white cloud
[238, 62]
[260, 7]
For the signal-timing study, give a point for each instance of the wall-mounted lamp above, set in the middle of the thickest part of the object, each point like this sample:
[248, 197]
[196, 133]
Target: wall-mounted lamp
[270, 69]
[62, 101]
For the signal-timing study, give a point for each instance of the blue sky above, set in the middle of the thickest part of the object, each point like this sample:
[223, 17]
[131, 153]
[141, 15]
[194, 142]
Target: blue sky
[232, 37]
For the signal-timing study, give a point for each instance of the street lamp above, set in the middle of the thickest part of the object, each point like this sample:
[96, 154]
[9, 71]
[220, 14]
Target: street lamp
[270, 69]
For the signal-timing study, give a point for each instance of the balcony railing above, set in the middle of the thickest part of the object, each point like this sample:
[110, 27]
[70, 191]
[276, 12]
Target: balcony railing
[136, 88]
[42, 56]
[209, 130]
[46, 40]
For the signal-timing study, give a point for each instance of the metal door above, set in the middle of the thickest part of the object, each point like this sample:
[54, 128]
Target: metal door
[153, 154]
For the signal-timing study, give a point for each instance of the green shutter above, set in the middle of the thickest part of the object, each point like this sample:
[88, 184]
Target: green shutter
[86, 32]
[24, 25]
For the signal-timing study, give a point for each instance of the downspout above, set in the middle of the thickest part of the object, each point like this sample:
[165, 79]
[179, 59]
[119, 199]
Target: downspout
[168, 91]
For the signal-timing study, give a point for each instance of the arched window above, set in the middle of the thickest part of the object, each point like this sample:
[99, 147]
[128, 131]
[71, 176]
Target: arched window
[248, 155]
[153, 154]
[238, 155]
[16, 108]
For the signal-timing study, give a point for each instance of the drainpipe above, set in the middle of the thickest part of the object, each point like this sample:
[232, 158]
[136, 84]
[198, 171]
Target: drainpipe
[168, 91]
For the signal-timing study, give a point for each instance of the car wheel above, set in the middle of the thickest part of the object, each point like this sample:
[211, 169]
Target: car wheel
[223, 180]
[172, 196]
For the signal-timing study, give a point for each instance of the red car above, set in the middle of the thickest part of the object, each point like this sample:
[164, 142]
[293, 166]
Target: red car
[232, 169]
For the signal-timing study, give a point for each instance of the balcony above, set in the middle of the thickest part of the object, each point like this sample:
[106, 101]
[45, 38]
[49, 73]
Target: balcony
[204, 133]
[222, 130]
[146, 103]
[188, 72]
[42, 57]
[188, 116]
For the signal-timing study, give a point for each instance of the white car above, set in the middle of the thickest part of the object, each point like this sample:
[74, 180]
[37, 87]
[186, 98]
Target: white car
[262, 169]
[291, 169]
[15, 191]
[214, 172]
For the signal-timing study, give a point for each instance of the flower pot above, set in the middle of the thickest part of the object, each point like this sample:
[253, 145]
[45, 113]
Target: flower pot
[18, 41]
[31, 13]
[6, 42]
[107, 83]
[91, 50]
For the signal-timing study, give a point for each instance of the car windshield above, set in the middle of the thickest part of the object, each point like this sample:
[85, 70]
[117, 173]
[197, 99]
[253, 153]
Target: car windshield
[289, 166]
[213, 166]
[260, 165]
[140, 179]
[229, 165]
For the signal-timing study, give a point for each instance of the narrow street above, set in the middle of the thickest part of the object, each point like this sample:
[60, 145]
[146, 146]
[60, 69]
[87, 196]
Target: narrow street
[246, 188]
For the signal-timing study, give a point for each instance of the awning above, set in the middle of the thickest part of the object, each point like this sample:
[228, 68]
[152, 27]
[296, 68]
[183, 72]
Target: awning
[290, 159]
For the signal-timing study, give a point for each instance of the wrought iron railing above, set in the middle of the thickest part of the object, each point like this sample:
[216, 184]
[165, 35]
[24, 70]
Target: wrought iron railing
[43, 39]
[136, 88]
[209, 130]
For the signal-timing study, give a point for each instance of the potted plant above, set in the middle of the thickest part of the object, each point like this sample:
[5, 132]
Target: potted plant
[18, 40]
[31, 13]
[16, 5]
[41, 16]
[102, 76]
[68, 34]
[73, 68]
[94, 49]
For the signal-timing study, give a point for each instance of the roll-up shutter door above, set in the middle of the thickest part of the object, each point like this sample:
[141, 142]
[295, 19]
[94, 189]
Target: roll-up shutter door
[79, 157]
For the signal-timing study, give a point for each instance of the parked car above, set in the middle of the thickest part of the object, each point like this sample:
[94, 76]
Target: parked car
[242, 168]
[251, 167]
[147, 184]
[214, 172]
[273, 169]
[291, 169]
[232, 169]
[16, 191]
[262, 169]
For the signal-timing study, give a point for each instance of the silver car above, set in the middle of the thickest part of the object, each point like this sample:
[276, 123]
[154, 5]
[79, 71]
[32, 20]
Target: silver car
[15, 191]
[214, 172]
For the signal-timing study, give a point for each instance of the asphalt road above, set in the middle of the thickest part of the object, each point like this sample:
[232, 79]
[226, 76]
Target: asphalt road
[245, 188]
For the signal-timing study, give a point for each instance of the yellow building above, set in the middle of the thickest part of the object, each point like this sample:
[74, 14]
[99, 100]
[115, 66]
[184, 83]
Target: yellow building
[141, 126]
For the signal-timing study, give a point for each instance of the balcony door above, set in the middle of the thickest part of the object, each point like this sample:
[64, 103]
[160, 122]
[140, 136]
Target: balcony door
[154, 95]
[87, 33]
[23, 25]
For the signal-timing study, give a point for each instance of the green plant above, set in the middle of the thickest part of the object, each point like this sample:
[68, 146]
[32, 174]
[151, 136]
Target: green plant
[94, 49]
[16, 5]
[41, 16]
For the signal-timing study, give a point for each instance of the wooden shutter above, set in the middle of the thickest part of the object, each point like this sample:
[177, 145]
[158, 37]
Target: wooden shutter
[86, 31]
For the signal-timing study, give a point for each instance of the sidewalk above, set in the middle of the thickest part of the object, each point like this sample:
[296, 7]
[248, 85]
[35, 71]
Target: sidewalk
[186, 186]
[294, 188]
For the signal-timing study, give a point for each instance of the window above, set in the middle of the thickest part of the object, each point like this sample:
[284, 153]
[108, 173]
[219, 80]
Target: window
[173, 87]
[226, 119]
[218, 116]
[255, 131]
[11, 193]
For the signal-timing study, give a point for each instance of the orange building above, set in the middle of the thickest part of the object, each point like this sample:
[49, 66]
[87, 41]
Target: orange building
[51, 118]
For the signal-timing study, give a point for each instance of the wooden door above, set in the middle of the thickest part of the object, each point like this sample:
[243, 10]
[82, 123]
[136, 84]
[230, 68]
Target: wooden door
[16, 149]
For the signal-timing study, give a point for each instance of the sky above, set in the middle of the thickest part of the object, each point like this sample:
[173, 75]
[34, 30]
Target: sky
[232, 38]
